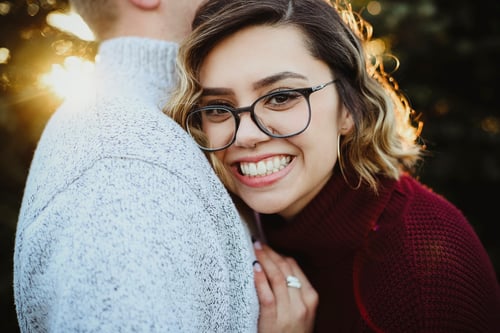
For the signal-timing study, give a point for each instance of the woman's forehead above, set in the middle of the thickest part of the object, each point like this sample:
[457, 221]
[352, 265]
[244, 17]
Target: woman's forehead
[259, 51]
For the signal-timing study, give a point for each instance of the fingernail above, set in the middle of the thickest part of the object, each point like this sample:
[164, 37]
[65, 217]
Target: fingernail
[256, 266]
[257, 245]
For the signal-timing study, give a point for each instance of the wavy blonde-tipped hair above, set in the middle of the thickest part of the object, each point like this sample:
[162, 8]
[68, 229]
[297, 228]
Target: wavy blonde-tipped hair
[384, 141]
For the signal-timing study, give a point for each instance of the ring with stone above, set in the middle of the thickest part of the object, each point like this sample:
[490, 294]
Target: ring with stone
[293, 282]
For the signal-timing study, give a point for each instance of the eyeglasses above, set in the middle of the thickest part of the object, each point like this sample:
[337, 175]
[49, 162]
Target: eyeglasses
[280, 114]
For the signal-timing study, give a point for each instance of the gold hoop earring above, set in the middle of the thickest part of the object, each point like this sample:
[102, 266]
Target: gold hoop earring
[339, 159]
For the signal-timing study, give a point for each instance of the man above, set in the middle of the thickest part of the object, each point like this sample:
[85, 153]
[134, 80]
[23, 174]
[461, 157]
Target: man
[123, 226]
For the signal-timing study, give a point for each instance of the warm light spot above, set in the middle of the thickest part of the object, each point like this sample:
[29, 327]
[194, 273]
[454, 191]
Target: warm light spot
[71, 23]
[5, 8]
[491, 125]
[63, 47]
[4, 55]
[73, 79]
[442, 107]
[374, 7]
[376, 47]
[33, 9]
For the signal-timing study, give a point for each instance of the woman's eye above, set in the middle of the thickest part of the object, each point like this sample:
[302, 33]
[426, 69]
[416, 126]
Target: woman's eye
[215, 103]
[215, 111]
[216, 114]
[282, 100]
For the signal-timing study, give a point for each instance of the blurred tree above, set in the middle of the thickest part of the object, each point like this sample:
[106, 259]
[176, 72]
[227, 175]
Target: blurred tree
[449, 53]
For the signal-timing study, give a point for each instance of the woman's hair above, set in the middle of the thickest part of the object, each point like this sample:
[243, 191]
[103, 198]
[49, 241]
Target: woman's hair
[384, 139]
[99, 15]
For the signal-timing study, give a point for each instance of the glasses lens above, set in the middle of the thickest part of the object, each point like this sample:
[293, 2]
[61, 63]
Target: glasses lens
[283, 113]
[280, 114]
[212, 127]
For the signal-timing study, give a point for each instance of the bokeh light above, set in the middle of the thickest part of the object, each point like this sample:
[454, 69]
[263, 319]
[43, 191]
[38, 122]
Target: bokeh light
[71, 23]
[74, 76]
[72, 79]
[5, 8]
[4, 55]
[491, 125]
[374, 8]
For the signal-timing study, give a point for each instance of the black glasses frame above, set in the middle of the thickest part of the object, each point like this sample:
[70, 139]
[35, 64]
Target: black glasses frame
[306, 92]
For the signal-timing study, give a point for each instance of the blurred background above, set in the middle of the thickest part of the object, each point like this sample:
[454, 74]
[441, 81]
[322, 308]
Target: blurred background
[449, 53]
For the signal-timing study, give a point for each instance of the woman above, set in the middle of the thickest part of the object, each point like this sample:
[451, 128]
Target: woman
[308, 131]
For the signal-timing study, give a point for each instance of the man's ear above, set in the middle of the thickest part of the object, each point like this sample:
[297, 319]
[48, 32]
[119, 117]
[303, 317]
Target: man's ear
[147, 4]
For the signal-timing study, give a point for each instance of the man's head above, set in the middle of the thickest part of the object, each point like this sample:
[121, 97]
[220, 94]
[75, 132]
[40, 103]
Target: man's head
[159, 19]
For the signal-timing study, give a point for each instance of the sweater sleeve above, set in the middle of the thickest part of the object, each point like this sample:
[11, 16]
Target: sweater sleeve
[100, 261]
[458, 285]
[430, 273]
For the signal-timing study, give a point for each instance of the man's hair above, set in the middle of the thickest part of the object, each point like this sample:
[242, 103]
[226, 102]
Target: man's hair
[100, 15]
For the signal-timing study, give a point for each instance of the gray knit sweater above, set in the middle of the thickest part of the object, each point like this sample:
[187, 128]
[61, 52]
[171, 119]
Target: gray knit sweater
[123, 226]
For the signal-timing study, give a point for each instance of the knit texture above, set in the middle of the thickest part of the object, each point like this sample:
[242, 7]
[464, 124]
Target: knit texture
[406, 260]
[124, 227]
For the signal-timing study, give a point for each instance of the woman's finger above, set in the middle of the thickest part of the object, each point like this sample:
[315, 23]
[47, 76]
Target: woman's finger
[273, 299]
[267, 301]
[275, 276]
[294, 309]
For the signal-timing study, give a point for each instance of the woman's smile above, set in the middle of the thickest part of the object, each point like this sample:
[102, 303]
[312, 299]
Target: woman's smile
[264, 167]
[264, 171]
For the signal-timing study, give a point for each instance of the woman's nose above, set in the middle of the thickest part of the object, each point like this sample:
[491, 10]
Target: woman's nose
[249, 134]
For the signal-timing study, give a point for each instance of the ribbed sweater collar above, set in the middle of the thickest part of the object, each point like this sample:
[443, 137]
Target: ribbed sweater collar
[335, 223]
[140, 63]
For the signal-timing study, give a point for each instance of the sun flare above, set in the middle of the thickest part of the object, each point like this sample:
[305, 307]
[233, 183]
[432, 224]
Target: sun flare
[71, 79]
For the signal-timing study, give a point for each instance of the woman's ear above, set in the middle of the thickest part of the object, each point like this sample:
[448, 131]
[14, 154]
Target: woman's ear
[346, 122]
[146, 4]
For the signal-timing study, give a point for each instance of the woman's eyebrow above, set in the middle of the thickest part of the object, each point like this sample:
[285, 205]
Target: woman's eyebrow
[267, 81]
[277, 77]
[217, 92]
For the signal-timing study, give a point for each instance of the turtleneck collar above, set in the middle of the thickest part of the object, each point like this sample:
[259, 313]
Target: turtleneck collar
[336, 222]
[151, 62]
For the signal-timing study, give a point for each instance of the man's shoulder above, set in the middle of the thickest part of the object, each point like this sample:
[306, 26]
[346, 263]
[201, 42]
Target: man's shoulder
[77, 139]
[109, 126]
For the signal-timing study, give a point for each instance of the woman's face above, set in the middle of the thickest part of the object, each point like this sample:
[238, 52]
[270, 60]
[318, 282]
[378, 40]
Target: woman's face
[247, 65]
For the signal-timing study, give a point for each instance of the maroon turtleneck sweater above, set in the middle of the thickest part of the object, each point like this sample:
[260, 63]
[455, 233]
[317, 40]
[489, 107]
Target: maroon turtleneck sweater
[404, 261]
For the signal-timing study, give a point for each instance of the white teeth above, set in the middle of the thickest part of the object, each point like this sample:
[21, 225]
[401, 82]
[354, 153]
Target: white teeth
[265, 167]
[270, 165]
[261, 168]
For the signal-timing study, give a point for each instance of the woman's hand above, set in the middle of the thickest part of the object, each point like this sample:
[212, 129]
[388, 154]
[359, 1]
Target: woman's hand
[283, 308]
